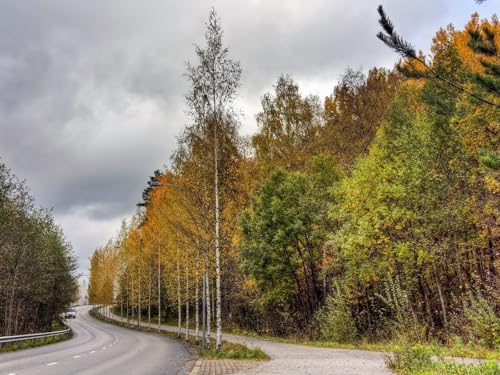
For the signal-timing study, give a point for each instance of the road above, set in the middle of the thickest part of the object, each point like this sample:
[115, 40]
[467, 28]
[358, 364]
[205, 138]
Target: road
[99, 348]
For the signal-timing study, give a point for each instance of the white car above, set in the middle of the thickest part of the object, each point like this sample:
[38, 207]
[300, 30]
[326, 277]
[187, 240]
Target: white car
[70, 313]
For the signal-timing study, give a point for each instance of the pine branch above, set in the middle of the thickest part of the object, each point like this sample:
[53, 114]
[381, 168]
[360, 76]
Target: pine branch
[490, 84]
[479, 45]
[394, 41]
[412, 72]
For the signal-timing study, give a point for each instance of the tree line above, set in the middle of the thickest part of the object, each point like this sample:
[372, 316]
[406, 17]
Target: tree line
[37, 265]
[372, 214]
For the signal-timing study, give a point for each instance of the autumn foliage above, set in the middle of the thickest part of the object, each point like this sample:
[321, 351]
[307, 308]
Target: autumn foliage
[361, 212]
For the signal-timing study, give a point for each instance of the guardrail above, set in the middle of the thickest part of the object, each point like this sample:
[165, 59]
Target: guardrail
[32, 336]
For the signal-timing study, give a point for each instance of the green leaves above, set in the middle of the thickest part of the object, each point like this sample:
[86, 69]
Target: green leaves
[284, 231]
[36, 262]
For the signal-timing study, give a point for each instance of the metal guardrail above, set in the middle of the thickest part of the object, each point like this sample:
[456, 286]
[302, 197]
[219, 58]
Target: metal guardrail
[32, 336]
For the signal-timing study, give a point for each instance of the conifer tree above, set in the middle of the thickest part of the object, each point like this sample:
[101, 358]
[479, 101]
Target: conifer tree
[481, 43]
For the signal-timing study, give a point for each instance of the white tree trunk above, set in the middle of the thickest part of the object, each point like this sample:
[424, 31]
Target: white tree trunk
[187, 303]
[204, 309]
[121, 301]
[150, 286]
[179, 313]
[139, 313]
[196, 299]
[218, 319]
[207, 285]
[128, 292]
[159, 291]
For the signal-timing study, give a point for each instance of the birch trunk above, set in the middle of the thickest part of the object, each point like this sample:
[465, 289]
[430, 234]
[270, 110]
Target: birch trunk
[179, 317]
[150, 286]
[204, 309]
[128, 317]
[207, 343]
[121, 302]
[159, 291]
[187, 303]
[196, 299]
[218, 323]
[139, 312]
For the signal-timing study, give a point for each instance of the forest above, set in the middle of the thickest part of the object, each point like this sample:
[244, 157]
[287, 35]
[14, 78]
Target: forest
[369, 215]
[37, 264]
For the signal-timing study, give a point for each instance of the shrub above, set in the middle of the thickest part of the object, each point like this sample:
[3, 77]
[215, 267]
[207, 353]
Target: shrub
[483, 322]
[409, 359]
[335, 319]
[417, 360]
[404, 321]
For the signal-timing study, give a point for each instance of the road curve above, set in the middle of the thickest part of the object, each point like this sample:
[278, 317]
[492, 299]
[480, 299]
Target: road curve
[99, 348]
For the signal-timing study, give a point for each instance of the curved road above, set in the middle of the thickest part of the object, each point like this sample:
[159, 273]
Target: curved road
[99, 348]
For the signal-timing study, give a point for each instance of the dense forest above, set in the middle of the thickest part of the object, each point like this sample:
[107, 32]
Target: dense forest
[369, 215]
[37, 265]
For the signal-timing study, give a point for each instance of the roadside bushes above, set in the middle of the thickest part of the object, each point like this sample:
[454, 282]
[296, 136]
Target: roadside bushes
[335, 319]
[418, 360]
[403, 322]
[483, 323]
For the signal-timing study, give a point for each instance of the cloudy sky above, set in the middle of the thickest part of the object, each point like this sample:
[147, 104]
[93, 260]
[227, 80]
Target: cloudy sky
[91, 92]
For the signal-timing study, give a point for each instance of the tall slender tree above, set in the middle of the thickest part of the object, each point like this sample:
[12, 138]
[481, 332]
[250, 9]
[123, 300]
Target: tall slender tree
[214, 83]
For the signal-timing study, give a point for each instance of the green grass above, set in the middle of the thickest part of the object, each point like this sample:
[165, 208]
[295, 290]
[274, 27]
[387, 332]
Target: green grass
[27, 344]
[457, 349]
[228, 350]
[416, 360]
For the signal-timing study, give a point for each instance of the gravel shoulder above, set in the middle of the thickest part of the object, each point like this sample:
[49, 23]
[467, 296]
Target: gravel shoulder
[294, 359]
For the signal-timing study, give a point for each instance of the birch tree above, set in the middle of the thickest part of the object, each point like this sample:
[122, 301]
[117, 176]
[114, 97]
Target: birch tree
[214, 83]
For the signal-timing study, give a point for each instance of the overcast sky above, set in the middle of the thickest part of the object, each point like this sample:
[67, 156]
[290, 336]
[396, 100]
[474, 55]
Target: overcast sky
[91, 92]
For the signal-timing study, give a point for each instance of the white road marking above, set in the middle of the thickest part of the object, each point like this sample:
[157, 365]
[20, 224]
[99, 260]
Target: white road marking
[12, 373]
[92, 352]
[76, 356]
[51, 363]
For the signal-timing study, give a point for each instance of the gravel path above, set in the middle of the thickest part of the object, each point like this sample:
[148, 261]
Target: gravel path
[301, 360]
[292, 359]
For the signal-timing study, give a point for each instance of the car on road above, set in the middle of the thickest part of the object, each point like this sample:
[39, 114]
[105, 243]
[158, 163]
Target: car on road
[70, 313]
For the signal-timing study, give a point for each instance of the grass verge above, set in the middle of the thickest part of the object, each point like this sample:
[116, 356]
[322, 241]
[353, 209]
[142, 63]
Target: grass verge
[228, 350]
[460, 350]
[417, 360]
[27, 344]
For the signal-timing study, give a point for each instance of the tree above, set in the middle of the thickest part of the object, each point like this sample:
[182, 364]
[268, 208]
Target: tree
[394, 41]
[214, 83]
[283, 234]
[410, 208]
[37, 266]
[483, 42]
[479, 126]
[354, 111]
[289, 126]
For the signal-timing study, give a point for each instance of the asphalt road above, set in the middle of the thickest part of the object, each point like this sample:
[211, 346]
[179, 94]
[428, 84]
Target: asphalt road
[99, 348]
